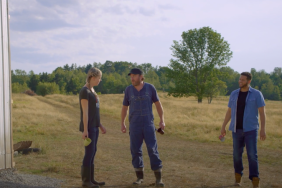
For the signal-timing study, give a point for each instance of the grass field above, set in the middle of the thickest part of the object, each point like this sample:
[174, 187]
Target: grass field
[190, 150]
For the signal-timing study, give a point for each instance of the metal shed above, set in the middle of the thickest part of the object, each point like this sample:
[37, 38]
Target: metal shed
[6, 142]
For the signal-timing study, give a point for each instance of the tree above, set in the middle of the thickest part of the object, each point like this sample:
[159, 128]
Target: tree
[59, 78]
[44, 77]
[152, 78]
[47, 88]
[214, 88]
[276, 76]
[33, 82]
[19, 88]
[19, 76]
[259, 78]
[230, 77]
[87, 68]
[199, 52]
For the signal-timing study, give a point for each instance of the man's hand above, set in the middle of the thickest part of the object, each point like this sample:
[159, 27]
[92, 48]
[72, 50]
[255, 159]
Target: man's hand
[262, 135]
[223, 131]
[162, 125]
[103, 129]
[123, 128]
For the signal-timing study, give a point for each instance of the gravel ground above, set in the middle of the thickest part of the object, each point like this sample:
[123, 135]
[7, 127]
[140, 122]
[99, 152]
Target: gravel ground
[9, 178]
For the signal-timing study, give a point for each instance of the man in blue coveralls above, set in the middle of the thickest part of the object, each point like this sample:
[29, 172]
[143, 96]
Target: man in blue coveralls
[244, 105]
[140, 96]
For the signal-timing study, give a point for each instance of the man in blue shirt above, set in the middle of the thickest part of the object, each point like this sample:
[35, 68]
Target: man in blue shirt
[244, 105]
[139, 97]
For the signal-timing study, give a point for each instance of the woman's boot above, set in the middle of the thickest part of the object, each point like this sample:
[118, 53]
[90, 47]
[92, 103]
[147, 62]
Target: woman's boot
[86, 177]
[93, 179]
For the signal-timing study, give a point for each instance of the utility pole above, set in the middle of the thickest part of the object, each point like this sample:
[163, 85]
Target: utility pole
[6, 131]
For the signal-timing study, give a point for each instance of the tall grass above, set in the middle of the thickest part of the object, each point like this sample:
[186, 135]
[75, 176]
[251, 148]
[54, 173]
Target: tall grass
[186, 118]
[51, 122]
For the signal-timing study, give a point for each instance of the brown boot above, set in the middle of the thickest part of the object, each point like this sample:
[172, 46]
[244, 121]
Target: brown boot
[255, 182]
[238, 179]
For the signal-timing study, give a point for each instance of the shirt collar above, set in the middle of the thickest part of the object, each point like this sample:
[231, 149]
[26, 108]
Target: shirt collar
[250, 89]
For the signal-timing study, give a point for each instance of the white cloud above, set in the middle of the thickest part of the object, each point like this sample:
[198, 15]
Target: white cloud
[82, 31]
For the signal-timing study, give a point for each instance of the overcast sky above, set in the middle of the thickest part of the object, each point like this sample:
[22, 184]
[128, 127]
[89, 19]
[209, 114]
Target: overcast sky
[45, 34]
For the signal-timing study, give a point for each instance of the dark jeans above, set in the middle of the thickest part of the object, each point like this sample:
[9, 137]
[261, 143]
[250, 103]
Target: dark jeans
[240, 140]
[90, 150]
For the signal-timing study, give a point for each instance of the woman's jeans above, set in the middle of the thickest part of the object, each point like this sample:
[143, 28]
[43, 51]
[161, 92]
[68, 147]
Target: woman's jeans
[240, 140]
[90, 150]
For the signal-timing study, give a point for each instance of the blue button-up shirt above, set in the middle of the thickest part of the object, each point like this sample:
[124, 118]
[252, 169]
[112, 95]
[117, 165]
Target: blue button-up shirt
[254, 101]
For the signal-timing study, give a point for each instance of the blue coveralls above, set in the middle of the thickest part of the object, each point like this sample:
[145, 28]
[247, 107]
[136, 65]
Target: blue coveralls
[141, 121]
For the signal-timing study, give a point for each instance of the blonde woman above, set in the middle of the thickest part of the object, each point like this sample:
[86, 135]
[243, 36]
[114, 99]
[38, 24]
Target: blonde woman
[89, 126]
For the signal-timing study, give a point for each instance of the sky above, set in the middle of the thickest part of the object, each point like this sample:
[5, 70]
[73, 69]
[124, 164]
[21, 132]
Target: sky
[46, 34]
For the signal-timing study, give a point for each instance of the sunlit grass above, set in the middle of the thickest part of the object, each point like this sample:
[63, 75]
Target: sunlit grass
[190, 140]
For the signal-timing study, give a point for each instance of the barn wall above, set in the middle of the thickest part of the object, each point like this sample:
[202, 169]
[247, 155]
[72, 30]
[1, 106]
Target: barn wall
[6, 143]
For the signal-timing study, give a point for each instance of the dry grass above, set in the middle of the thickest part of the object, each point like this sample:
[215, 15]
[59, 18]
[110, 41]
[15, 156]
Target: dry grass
[186, 118]
[191, 153]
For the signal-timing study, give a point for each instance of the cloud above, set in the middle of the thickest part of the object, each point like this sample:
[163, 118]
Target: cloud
[56, 32]
[62, 3]
[168, 7]
[38, 25]
[146, 12]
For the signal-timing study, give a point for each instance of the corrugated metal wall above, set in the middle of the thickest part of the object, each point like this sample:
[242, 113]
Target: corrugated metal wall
[6, 143]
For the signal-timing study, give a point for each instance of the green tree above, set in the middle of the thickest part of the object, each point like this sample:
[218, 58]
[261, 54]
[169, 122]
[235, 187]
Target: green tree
[152, 78]
[44, 77]
[276, 76]
[276, 94]
[267, 89]
[33, 81]
[87, 68]
[47, 88]
[19, 76]
[74, 85]
[199, 52]
[259, 78]
[19, 88]
[60, 79]
[230, 77]
[214, 88]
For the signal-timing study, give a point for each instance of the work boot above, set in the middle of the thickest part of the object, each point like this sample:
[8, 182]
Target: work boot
[238, 179]
[93, 179]
[255, 182]
[140, 176]
[158, 175]
[86, 177]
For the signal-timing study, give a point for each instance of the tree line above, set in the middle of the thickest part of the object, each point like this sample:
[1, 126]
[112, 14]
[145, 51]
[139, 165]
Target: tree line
[198, 68]
[70, 78]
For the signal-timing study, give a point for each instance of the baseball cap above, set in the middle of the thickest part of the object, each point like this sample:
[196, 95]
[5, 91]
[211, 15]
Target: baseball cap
[136, 71]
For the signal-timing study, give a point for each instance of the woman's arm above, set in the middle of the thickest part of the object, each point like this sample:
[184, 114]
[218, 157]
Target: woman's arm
[84, 106]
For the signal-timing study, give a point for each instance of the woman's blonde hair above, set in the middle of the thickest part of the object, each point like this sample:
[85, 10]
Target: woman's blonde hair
[93, 72]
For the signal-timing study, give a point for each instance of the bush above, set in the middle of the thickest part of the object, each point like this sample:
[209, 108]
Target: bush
[19, 88]
[30, 92]
[47, 88]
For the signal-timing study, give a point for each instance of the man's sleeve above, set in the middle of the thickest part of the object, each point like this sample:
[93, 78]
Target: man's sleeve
[229, 102]
[83, 94]
[125, 99]
[260, 100]
[155, 97]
